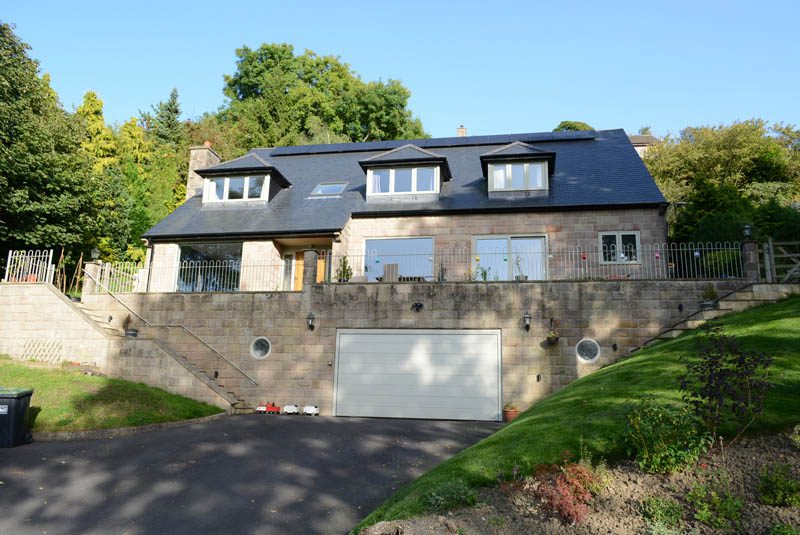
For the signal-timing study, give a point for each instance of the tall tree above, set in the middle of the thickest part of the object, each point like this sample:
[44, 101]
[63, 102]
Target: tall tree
[167, 127]
[99, 143]
[46, 196]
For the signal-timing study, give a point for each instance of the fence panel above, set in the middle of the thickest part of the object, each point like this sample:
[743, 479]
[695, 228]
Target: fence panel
[29, 266]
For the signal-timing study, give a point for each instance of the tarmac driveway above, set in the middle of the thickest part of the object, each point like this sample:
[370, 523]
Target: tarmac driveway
[245, 474]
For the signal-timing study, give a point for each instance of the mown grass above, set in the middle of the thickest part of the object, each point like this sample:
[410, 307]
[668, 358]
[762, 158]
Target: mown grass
[68, 400]
[593, 409]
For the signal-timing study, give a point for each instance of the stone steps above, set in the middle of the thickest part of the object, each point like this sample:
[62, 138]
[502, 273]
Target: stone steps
[737, 301]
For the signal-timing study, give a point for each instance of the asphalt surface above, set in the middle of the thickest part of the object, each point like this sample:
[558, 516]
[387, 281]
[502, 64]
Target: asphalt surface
[247, 474]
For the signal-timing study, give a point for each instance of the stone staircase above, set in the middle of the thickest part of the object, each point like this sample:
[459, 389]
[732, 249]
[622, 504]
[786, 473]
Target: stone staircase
[202, 361]
[750, 296]
[189, 351]
[101, 320]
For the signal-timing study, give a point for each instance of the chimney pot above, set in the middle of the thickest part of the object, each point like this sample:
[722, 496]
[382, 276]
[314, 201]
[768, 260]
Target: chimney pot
[461, 131]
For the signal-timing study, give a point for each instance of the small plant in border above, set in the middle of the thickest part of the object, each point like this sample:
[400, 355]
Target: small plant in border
[567, 489]
[664, 511]
[449, 496]
[725, 383]
[662, 438]
[714, 503]
[784, 529]
[779, 487]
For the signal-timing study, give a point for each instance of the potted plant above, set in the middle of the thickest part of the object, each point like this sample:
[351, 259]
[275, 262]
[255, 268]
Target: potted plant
[552, 334]
[344, 272]
[709, 297]
[520, 276]
[126, 326]
[510, 411]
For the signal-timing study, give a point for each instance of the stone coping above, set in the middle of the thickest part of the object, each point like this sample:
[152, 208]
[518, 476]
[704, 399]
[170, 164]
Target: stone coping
[98, 434]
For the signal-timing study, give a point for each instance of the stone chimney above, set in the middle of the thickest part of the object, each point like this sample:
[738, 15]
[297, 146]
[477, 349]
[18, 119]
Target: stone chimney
[199, 158]
[461, 131]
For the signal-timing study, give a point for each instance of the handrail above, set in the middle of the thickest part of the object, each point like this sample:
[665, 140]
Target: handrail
[170, 325]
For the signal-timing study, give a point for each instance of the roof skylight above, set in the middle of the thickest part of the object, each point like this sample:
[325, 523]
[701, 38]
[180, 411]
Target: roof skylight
[329, 188]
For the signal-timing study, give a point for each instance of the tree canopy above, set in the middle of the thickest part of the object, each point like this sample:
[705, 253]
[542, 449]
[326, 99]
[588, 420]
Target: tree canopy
[721, 177]
[572, 126]
[280, 98]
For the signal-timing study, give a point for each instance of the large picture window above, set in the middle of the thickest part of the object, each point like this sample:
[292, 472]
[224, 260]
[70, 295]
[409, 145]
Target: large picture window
[210, 267]
[402, 180]
[503, 258]
[619, 247]
[242, 188]
[413, 256]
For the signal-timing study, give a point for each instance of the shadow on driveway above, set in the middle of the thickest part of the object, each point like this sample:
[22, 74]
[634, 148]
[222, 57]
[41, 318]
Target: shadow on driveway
[246, 474]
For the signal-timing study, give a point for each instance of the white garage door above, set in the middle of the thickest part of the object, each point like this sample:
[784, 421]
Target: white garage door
[402, 373]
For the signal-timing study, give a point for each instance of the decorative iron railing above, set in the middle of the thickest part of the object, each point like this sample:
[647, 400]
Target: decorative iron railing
[29, 266]
[187, 277]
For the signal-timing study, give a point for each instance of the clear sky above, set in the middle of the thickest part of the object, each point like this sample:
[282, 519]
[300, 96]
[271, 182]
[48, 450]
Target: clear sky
[496, 67]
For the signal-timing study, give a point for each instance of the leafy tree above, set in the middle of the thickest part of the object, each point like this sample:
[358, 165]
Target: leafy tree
[44, 176]
[732, 170]
[279, 98]
[645, 131]
[99, 143]
[565, 126]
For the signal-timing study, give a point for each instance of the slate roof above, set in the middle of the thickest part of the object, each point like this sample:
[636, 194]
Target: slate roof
[592, 170]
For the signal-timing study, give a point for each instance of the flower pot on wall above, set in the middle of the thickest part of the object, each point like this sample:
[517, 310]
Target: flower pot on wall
[131, 333]
[552, 339]
[521, 278]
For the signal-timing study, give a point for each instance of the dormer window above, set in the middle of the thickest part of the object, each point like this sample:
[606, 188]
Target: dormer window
[518, 176]
[238, 188]
[402, 180]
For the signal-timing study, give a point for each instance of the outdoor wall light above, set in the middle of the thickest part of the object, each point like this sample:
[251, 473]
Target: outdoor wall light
[95, 254]
[748, 231]
[526, 321]
[614, 346]
[416, 307]
[310, 321]
[680, 307]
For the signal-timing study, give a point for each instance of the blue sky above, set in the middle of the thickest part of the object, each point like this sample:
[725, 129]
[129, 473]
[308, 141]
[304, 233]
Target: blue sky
[496, 67]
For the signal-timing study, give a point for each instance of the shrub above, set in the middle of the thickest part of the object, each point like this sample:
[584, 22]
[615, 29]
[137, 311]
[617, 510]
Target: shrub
[778, 487]
[450, 496]
[725, 383]
[664, 511]
[567, 490]
[795, 436]
[662, 438]
[784, 529]
[714, 503]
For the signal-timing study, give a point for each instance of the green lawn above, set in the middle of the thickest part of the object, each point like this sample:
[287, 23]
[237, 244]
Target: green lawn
[594, 407]
[68, 400]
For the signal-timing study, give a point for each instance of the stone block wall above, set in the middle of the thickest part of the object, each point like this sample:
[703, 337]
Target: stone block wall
[38, 322]
[300, 367]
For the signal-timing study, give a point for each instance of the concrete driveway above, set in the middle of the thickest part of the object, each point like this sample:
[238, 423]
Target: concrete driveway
[246, 474]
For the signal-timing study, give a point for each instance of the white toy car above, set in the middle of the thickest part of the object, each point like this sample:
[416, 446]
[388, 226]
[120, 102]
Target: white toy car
[311, 410]
[291, 409]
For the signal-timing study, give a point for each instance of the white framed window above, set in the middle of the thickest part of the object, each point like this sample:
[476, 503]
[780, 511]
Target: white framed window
[518, 176]
[402, 180]
[237, 188]
[619, 247]
[505, 258]
[587, 350]
[324, 189]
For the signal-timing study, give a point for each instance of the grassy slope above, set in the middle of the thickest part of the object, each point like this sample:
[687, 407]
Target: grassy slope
[594, 407]
[67, 400]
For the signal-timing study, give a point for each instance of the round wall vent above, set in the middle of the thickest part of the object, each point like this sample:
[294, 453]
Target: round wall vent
[588, 350]
[260, 348]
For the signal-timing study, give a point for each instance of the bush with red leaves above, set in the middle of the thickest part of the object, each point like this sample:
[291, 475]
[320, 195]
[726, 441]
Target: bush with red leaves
[566, 490]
